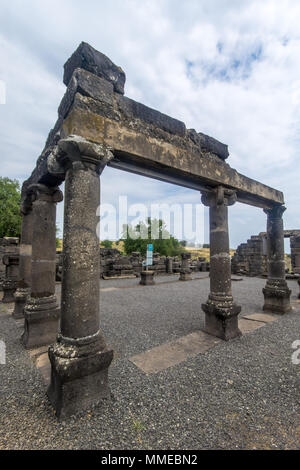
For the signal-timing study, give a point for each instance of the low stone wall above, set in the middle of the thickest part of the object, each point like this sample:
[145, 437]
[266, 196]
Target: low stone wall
[114, 264]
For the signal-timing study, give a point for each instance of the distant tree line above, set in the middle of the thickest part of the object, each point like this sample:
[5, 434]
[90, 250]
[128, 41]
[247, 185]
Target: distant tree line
[10, 200]
[151, 231]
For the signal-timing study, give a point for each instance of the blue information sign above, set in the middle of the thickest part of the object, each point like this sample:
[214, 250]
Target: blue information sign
[149, 255]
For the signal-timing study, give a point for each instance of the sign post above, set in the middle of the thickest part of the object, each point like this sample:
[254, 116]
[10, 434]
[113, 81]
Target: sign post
[149, 255]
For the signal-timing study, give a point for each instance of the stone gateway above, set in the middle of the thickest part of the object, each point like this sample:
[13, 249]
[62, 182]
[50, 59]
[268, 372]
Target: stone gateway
[97, 126]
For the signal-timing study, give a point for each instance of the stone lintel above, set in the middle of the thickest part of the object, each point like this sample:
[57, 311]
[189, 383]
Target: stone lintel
[145, 138]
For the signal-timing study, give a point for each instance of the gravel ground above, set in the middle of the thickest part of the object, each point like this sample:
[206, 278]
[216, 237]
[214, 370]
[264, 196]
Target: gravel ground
[242, 394]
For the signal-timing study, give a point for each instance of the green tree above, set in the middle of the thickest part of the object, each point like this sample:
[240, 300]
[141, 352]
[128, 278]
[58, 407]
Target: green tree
[57, 239]
[10, 199]
[151, 231]
[107, 244]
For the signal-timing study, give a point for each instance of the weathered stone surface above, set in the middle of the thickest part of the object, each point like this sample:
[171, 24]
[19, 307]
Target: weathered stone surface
[133, 109]
[185, 270]
[88, 58]
[250, 258]
[221, 313]
[147, 148]
[276, 293]
[11, 261]
[41, 311]
[80, 358]
[8, 245]
[24, 275]
[144, 141]
[295, 253]
[147, 278]
[87, 84]
[209, 144]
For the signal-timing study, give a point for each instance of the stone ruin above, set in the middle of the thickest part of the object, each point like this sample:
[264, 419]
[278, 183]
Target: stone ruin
[98, 126]
[9, 267]
[113, 264]
[8, 245]
[251, 258]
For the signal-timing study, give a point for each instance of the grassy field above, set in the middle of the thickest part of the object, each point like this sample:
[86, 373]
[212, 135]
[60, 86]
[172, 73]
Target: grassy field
[202, 252]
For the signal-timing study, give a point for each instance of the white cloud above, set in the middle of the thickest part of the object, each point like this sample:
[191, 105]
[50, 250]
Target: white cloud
[229, 69]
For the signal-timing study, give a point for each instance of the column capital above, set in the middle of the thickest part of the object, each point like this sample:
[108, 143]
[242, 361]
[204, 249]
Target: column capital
[276, 212]
[41, 192]
[218, 196]
[79, 154]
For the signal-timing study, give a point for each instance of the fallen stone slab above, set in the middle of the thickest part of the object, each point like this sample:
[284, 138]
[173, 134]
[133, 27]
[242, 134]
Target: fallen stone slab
[247, 326]
[175, 352]
[262, 317]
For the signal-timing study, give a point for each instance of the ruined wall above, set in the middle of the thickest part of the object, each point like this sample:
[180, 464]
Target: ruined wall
[114, 264]
[295, 253]
[250, 258]
[7, 245]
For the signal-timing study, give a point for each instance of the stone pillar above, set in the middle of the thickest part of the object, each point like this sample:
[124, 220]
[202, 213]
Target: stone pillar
[185, 270]
[11, 262]
[170, 265]
[41, 311]
[24, 281]
[80, 358]
[276, 292]
[220, 311]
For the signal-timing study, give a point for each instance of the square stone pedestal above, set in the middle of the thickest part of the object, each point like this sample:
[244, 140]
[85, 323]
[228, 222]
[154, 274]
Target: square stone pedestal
[221, 320]
[185, 276]
[41, 323]
[77, 383]
[147, 278]
[277, 300]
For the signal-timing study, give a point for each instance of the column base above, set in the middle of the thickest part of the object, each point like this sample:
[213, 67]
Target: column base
[9, 288]
[21, 296]
[147, 278]
[277, 296]
[221, 317]
[41, 322]
[185, 277]
[79, 375]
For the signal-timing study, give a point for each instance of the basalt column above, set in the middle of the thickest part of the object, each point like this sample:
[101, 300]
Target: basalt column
[80, 358]
[185, 270]
[276, 292]
[41, 311]
[24, 281]
[220, 311]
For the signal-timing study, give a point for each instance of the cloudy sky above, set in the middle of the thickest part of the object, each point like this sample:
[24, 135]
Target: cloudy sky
[228, 68]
